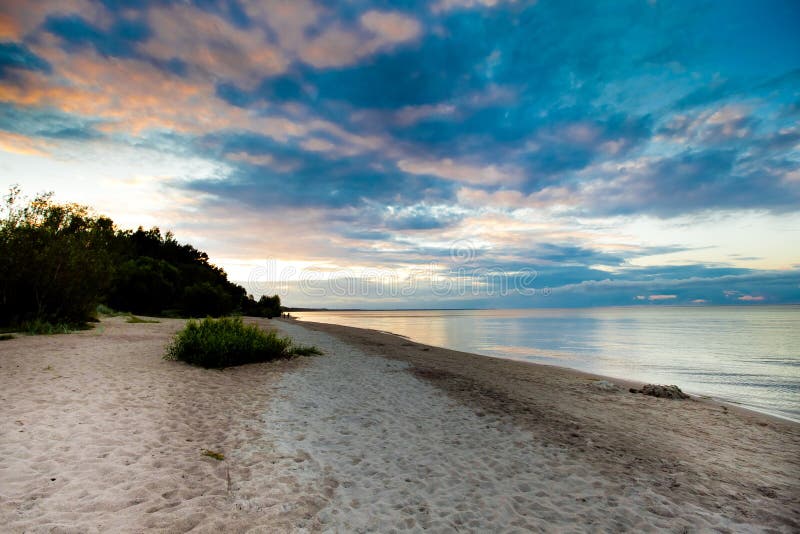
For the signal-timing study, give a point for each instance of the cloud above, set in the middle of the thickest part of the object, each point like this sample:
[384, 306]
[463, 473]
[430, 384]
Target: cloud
[688, 182]
[338, 46]
[212, 45]
[462, 172]
[419, 217]
[9, 30]
[19, 19]
[390, 28]
[20, 144]
[43, 127]
[294, 176]
[751, 298]
[411, 114]
[661, 297]
[448, 5]
[290, 20]
[711, 126]
[119, 40]
[312, 33]
[18, 56]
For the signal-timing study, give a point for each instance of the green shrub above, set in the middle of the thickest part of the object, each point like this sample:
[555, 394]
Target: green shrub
[216, 343]
[6, 337]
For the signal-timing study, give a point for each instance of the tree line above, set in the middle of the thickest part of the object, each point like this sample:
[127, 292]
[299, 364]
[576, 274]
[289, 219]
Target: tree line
[58, 262]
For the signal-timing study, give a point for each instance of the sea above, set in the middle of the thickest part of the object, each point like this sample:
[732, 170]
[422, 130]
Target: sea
[743, 355]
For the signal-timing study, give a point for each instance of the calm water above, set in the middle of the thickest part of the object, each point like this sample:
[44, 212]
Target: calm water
[746, 355]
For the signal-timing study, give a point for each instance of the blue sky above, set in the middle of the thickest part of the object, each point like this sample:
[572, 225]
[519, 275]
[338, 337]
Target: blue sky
[445, 153]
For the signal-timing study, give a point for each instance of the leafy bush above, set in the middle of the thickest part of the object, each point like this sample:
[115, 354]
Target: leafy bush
[225, 342]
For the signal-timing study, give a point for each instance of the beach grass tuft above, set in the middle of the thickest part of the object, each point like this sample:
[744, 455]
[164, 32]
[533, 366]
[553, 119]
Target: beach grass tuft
[139, 320]
[45, 328]
[305, 350]
[226, 342]
[213, 454]
[6, 337]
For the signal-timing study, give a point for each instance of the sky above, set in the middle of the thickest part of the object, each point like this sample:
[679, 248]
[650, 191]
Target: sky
[447, 153]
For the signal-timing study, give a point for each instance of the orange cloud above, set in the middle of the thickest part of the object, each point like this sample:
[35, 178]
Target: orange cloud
[210, 43]
[19, 17]
[390, 28]
[21, 144]
[289, 19]
[132, 96]
[9, 29]
[462, 172]
[751, 298]
[128, 95]
[337, 46]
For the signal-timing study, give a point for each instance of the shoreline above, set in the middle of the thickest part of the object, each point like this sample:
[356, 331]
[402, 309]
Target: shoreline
[732, 404]
[623, 382]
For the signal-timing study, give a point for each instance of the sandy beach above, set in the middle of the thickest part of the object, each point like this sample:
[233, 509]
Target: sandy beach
[99, 434]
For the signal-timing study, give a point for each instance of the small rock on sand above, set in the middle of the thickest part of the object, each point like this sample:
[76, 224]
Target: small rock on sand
[664, 392]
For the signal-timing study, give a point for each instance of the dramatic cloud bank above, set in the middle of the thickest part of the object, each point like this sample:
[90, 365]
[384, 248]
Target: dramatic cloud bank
[450, 153]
